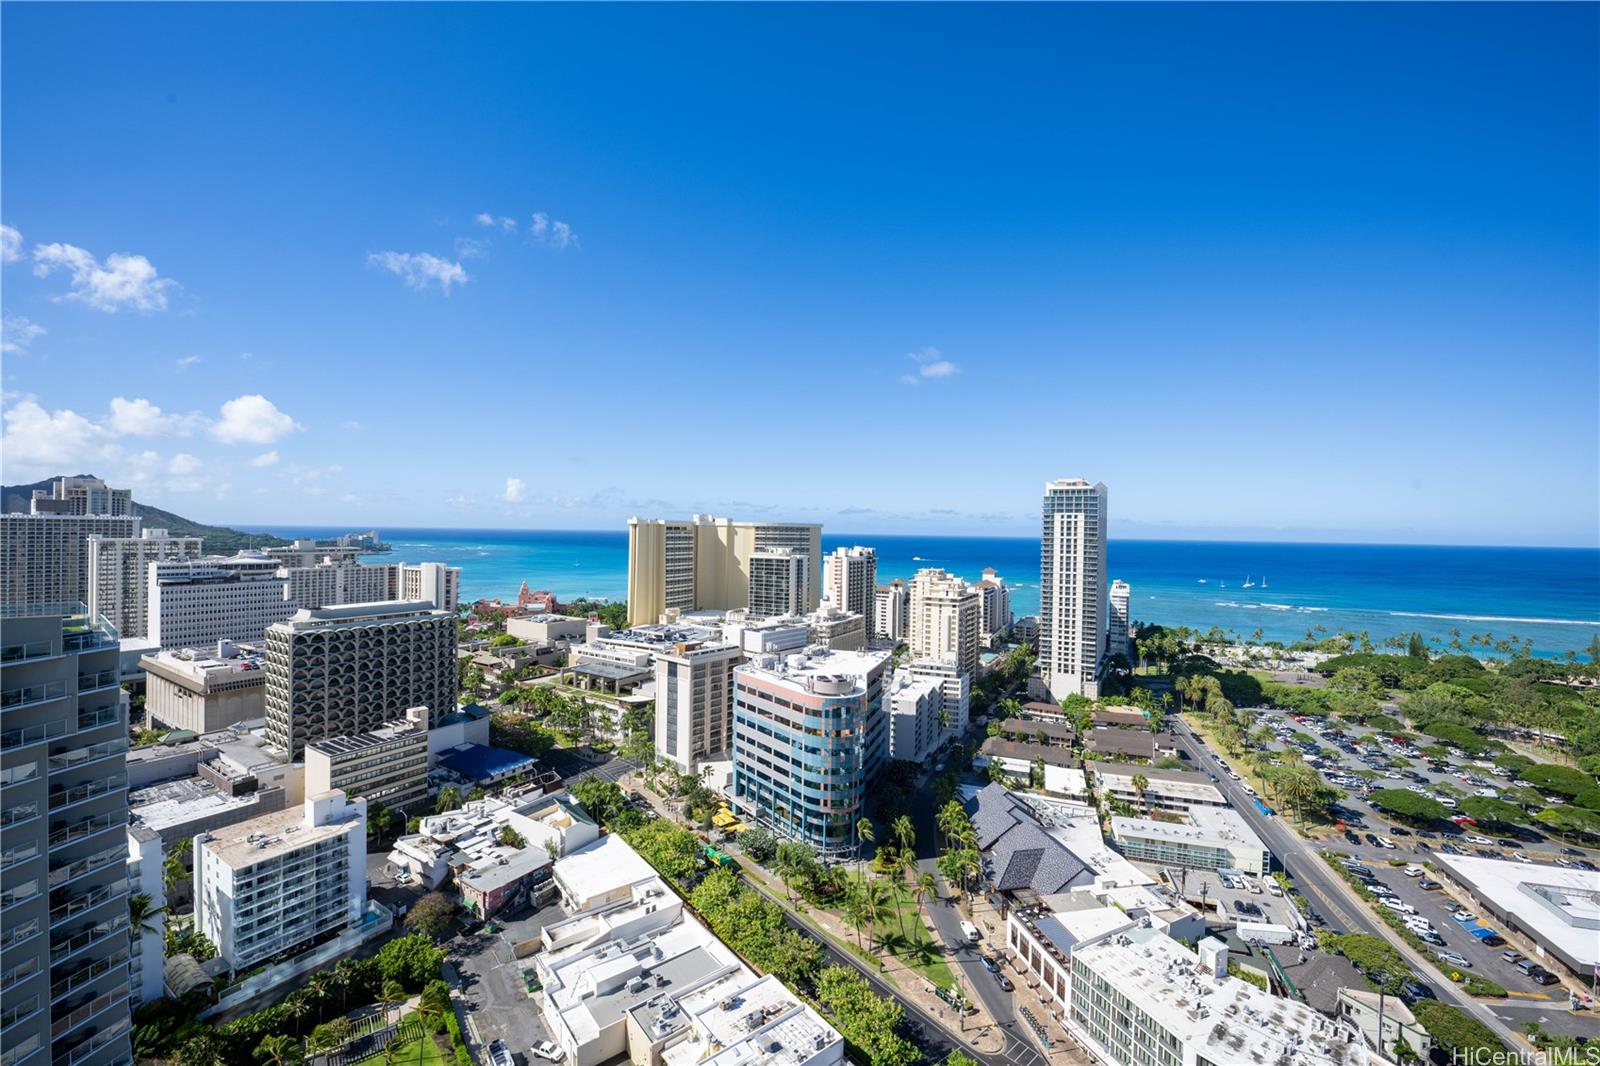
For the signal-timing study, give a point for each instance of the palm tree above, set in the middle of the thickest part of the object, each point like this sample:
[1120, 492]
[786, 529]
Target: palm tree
[1140, 783]
[925, 887]
[873, 903]
[905, 834]
[433, 1004]
[299, 1008]
[175, 867]
[279, 1050]
[392, 995]
[855, 909]
[864, 835]
[142, 914]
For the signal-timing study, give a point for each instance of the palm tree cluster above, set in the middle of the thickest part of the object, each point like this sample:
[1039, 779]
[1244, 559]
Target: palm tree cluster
[958, 859]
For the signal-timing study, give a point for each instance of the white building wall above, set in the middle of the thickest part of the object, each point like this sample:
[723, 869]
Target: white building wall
[1072, 587]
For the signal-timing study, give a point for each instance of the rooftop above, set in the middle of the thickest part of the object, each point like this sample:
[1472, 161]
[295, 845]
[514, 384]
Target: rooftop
[481, 762]
[361, 614]
[1121, 741]
[818, 670]
[384, 734]
[1020, 854]
[174, 803]
[1011, 749]
[274, 835]
[1219, 827]
[604, 866]
[1559, 907]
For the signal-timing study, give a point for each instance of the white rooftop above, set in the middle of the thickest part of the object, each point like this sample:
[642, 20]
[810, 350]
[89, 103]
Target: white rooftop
[604, 866]
[1220, 827]
[1561, 907]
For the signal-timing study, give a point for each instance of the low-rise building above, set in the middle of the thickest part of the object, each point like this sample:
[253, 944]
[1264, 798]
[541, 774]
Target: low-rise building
[1140, 998]
[1121, 744]
[1211, 838]
[203, 692]
[1124, 717]
[1063, 771]
[540, 629]
[387, 765]
[1384, 1021]
[1054, 734]
[1018, 853]
[1555, 908]
[276, 882]
[1167, 790]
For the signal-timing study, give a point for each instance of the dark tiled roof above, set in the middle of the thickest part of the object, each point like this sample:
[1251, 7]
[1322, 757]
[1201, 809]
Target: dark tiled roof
[1122, 741]
[1019, 853]
[1012, 749]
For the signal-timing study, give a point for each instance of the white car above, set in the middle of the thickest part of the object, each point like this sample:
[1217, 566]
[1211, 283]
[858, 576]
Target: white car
[969, 931]
[1396, 905]
[1464, 916]
[1455, 959]
[548, 1051]
[1414, 870]
[1476, 839]
[1386, 842]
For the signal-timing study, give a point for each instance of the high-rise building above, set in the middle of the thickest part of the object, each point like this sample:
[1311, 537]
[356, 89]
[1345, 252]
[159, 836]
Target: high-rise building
[1117, 628]
[810, 736]
[913, 706]
[273, 883]
[310, 553]
[1072, 587]
[705, 563]
[82, 496]
[946, 619]
[956, 685]
[338, 671]
[850, 580]
[995, 600]
[44, 558]
[778, 582]
[437, 583]
[195, 603]
[119, 574]
[64, 937]
[694, 701]
[335, 581]
[891, 611]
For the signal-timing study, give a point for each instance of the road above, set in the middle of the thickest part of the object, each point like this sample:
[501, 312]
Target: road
[1342, 909]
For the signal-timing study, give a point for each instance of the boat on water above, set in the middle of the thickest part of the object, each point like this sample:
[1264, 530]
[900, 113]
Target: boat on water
[1263, 581]
[1248, 584]
[1202, 581]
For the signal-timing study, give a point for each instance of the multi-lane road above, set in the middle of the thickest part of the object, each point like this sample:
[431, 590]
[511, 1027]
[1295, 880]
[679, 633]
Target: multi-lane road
[1341, 909]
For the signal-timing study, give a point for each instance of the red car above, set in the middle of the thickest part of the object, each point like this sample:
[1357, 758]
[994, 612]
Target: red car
[1461, 819]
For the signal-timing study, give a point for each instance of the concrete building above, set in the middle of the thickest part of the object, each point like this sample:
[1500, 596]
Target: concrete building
[147, 953]
[954, 682]
[118, 581]
[631, 975]
[1164, 790]
[195, 603]
[437, 583]
[191, 689]
[946, 619]
[1213, 838]
[1118, 743]
[836, 630]
[1557, 909]
[914, 706]
[809, 738]
[302, 553]
[891, 611]
[1062, 771]
[1117, 622]
[779, 582]
[338, 671]
[387, 765]
[82, 496]
[1140, 998]
[1383, 1021]
[64, 942]
[694, 701]
[542, 629]
[850, 581]
[706, 563]
[334, 581]
[994, 600]
[44, 558]
[467, 844]
[1072, 587]
[273, 883]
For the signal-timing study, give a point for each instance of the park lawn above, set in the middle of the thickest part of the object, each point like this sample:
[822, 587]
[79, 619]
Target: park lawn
[417, 1048]
[903, 936]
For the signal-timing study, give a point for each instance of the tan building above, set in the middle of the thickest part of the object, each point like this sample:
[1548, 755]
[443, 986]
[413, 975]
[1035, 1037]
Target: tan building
[850, 580]
[946, 619]
[705, 563]
[205, 692]
[388, 765]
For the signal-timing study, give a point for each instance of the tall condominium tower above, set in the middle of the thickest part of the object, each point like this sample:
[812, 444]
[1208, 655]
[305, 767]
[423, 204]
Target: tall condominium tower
[694, 701]
[1072, 587]
[339, 671]
[44, 558]
[437, 583]
[119, 574]
[1117, 628]
[197, 602]
[810, 736]
[81, 496]
[891, 611]
[705, 563]
[850, 580]
[64, 937]
[779, 581]
[946, 619]
[995, 600]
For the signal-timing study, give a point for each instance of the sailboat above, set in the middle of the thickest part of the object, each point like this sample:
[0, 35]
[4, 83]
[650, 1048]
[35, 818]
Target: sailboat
[1263, 581]
[1248, 583]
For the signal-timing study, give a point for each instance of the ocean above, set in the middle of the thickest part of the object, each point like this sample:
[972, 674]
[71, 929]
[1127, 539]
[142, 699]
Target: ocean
[1550, 596]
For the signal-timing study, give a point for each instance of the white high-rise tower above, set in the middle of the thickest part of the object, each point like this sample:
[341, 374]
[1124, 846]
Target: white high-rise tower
[1072, 587]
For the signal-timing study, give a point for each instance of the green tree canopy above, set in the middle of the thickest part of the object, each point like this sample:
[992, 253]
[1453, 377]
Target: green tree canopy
[1408, 804]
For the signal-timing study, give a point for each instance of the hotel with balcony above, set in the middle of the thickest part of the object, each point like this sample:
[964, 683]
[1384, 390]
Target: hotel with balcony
[64, 938]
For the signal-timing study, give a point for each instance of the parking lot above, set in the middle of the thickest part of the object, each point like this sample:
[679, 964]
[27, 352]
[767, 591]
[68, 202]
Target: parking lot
[491, 987]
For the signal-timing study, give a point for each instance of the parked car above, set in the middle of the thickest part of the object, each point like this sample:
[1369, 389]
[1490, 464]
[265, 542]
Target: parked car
[1428, 885]
[990, 965]
[1511, 956]
[1412, 991]
[1455, 958]
[547, 1051]
[1430, 936]
[1541, 976]
[1463, 915]
[1005, 982]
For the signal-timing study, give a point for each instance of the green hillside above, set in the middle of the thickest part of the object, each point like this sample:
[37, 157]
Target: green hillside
[219, 539]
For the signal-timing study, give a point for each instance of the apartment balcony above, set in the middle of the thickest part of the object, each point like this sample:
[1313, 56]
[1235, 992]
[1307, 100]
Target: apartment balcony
[22, 1052]
[21, 972]
[86, 827]
[100, 860]
[61, 799]
[98, 719]
[85, 901]
[25, 736]
[20, 1012]
[92, 1044]
[64, 948]
[86, 973]
[32, 695]
[32, 652]
[117, 997]
[101, 679]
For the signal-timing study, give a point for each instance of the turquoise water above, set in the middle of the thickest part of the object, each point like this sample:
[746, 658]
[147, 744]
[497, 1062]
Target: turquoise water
[1550, 596]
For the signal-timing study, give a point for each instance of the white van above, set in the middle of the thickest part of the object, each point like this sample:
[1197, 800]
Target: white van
[970, 931]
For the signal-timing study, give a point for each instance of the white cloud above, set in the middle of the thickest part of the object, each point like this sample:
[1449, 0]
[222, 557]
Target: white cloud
[555, 233]
[516, 490]
[125, 281]
[484, 218]
[17, 332]
[38, 443]
[471, 248]
[265, 459]
[184, 463]
[141, 418]
[10, 244]
[186, 362]
[252, 420]
[931, 365]
[419, 269]
[352, 424]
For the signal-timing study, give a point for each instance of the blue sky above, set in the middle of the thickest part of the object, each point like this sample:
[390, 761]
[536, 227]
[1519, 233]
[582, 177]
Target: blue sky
[1297, 272]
